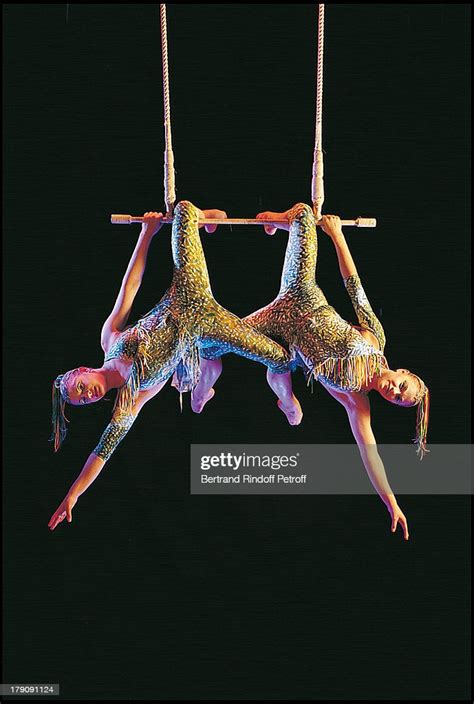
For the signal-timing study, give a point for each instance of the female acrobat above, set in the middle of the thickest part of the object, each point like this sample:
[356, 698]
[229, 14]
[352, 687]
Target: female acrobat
[165, 343]
[346, 359]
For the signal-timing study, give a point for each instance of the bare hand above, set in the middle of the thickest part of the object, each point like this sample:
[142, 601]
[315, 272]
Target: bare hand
[398, 517]
[331, 225]
[152, 222]
[271, 229]
[208, 215]
[63, 511]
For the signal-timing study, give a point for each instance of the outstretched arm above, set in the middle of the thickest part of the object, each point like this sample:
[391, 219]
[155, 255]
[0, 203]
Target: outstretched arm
[359, 419]
[357, 406]
[113, 434]
[132, 280]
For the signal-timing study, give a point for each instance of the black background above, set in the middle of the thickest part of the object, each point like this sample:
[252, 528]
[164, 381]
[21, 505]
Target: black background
[152, 593]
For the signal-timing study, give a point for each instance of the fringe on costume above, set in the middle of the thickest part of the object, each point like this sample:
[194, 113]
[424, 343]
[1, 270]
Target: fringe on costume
[128, 393]
[351, 373]
[188, 370]
[185, 379]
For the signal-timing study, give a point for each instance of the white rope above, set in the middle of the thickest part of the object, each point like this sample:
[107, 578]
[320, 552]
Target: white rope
[170, 195]
[317, 184]
[319, 79]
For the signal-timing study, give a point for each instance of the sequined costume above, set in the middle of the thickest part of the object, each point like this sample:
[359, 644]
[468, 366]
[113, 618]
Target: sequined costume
[171, 337]
[326, 346]
[329, 348]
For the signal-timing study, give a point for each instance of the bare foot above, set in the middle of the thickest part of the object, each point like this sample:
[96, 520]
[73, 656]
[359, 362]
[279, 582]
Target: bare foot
[292, 411]
[269, 215]
[198, 402]
[210, 214]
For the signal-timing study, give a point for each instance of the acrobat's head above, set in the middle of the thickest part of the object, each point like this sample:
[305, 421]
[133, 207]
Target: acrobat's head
[404, 388]
[79, 386]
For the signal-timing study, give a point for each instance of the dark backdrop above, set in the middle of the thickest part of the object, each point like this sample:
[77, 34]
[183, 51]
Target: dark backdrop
[152, 593]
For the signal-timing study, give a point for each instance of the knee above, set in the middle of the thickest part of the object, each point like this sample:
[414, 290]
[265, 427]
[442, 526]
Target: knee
[301, 212]
[303, 208]
[184, 207]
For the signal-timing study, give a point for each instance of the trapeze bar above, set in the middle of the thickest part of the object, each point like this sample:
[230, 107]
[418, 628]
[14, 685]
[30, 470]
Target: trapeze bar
[130, 219]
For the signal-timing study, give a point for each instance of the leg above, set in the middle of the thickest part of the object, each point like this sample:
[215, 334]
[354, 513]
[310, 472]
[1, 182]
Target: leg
[264, 320]
[188, 255]
[224, 332]
[230, 334]
[190, 269]
[211, 370]
[287, 401]
[299, 268]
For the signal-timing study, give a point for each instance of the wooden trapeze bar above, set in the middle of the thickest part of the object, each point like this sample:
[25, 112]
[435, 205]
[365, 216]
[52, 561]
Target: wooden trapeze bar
[118, 219]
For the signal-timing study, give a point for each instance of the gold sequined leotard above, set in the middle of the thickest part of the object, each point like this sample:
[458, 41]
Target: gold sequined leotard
[328, 347]
[185, 322]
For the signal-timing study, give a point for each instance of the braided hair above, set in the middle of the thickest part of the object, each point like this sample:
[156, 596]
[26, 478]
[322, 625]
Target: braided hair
[60, 397]
[422, 401]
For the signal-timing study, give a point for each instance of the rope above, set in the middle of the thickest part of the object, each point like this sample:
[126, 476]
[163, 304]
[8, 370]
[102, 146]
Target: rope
[170, 195]
[317, 185]
[319, 79]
